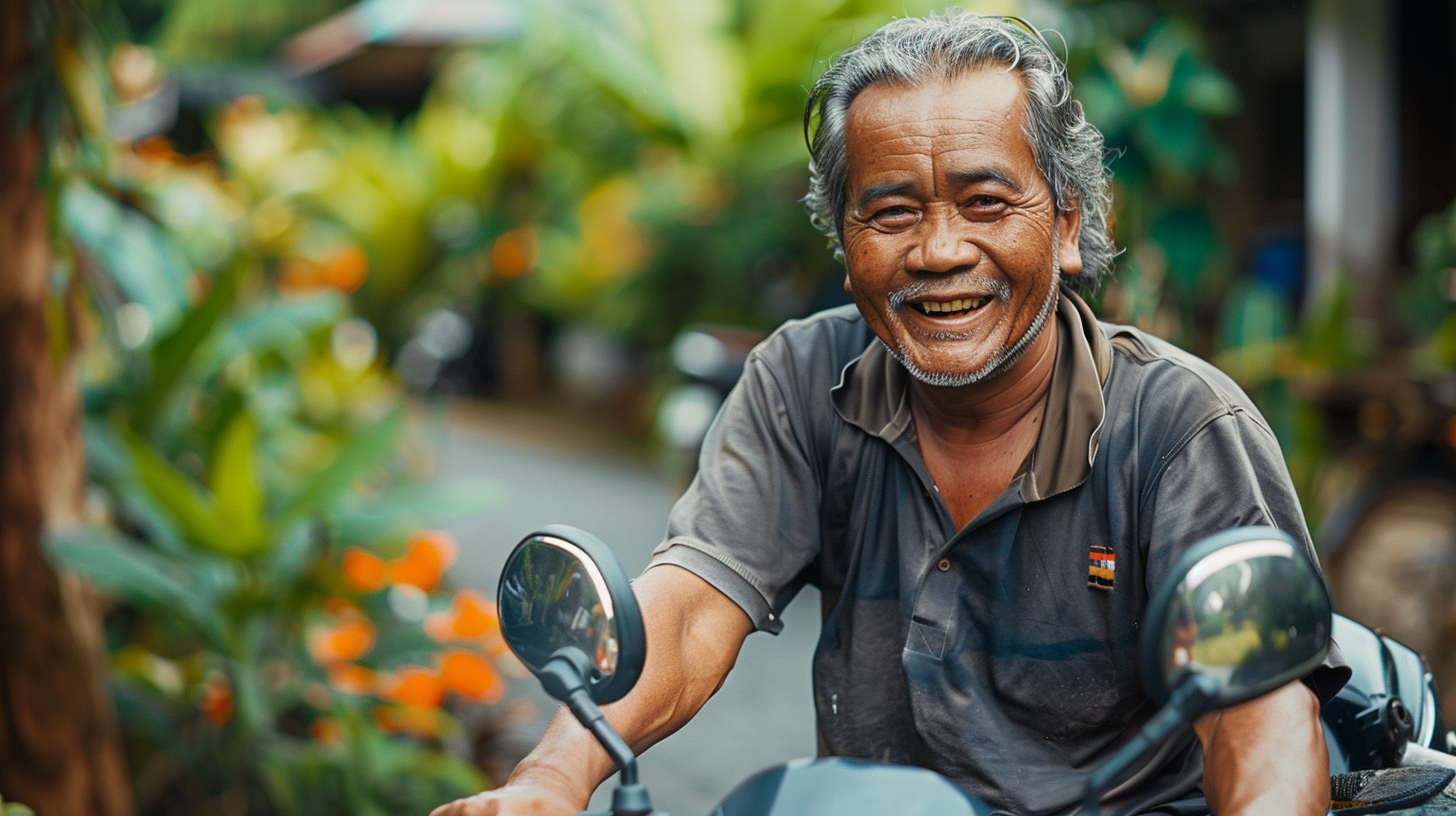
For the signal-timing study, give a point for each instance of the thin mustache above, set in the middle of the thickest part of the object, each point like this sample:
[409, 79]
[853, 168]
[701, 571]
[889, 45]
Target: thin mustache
[999, 289]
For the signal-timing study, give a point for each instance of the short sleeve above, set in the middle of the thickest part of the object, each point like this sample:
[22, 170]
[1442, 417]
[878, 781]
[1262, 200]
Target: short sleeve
[749, 522]
[1229, 473]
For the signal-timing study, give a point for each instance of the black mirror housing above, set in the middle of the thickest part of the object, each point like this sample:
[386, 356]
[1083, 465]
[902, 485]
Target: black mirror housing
[563, 588]
[1246, 610]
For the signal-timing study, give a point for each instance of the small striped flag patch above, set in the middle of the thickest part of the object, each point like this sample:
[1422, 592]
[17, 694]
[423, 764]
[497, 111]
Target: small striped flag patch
[1101, 567]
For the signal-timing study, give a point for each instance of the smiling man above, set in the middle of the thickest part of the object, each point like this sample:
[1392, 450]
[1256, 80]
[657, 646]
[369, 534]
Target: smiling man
[984, 481]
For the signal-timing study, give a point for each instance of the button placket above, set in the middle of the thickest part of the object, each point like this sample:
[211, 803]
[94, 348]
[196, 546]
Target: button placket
[930, 623]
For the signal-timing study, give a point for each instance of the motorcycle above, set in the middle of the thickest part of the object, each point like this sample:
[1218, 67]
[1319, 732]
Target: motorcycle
[567, 611]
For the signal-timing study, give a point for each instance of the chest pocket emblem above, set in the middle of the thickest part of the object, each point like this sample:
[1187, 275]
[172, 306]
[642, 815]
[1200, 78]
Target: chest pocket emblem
[1101, 567]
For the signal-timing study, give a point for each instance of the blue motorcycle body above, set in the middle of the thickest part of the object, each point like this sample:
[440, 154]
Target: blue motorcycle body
[1389, 702]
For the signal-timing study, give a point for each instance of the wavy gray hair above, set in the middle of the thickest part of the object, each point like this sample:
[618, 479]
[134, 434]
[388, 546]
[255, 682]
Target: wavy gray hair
[1068, 150]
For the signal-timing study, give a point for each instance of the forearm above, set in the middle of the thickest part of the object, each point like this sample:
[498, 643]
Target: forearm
[1266, 756]
[693, 637]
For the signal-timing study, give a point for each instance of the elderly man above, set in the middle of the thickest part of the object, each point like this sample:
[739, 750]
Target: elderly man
[983, 480]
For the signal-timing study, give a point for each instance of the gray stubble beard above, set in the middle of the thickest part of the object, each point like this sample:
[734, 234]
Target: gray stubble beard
[1002, 360]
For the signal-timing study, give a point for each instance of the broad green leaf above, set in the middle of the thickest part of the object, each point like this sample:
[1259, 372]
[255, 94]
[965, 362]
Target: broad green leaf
[280, 325]
[595, 41]
[106, 456]
[1211, 93]
[152, 523]
[1188, 238]
[193, 509]
[701, 67]
[293, 553]
[123, 568]
[279, 783]
[173, 353]
[1175, 137]
[132, 249]
[361, 454]
[234, 483]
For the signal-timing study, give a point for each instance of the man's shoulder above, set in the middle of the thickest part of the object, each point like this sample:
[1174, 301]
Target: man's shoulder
[810, 349]
[1169, 386]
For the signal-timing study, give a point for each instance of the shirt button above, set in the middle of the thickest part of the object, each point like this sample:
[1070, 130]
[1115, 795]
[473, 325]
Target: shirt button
[944, 564]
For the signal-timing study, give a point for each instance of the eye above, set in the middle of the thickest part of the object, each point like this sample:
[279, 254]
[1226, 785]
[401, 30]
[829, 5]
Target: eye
[983, 202]
[895, 217]
[983, 207]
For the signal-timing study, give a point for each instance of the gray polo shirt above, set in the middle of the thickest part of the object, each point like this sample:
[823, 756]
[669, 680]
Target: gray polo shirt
[1003, 655]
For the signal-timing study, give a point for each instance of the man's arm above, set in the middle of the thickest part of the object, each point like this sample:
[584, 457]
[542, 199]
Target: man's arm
[1266, 756]
[694, 633]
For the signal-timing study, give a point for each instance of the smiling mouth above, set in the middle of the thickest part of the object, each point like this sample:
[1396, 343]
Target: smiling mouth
[952, 308]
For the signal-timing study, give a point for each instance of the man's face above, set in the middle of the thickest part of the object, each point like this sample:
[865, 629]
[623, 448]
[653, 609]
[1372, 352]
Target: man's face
[951, 237]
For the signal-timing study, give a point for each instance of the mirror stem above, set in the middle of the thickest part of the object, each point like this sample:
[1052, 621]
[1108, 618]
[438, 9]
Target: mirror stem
[1187, 703]
[562, 677]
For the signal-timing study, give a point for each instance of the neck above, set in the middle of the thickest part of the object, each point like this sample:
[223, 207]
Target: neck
[985, 411]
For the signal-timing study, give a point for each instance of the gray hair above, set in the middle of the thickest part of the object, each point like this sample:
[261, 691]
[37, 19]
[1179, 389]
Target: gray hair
[1068, 150]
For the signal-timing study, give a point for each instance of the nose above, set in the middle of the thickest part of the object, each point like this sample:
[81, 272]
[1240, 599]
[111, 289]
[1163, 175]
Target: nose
[943, 245]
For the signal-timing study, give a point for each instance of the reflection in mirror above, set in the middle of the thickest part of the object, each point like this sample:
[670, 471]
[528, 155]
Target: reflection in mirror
[1250, 616]
[553, 596]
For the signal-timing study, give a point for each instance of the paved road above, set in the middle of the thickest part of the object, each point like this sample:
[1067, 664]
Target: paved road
[545, 473]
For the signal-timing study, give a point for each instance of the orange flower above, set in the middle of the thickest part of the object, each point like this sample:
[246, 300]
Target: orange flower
[471, 616]
[350, 679]
[440, 626]
[470, 675]
[514, 253]
[430, 553]
[326, 731]
[415, 686]
[364, 570]
[350, 637]
[346, 269]
[217, 700]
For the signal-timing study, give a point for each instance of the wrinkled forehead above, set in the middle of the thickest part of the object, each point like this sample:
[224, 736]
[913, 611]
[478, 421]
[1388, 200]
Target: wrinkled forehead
[973, 118]
[989, 96]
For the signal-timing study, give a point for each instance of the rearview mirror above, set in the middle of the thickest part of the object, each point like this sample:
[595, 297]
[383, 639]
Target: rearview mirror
[1240, 614]
[568, 612]
[563, 588]
[1245, 611]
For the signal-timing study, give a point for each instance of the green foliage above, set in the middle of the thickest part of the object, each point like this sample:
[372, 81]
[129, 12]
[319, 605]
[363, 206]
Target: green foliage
[1153, 99]
[246, 447]
[1424, 304]
[14, 809]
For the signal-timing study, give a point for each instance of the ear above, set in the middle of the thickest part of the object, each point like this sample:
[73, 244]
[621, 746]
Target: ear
[1069, 230]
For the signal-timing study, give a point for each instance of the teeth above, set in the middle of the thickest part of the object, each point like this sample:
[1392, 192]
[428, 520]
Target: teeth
[946, 306]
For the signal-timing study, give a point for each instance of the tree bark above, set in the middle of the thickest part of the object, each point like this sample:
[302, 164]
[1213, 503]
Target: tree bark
[59, 751]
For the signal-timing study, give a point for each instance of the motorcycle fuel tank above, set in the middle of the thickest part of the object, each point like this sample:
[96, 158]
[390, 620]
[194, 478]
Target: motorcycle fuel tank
[848, 787]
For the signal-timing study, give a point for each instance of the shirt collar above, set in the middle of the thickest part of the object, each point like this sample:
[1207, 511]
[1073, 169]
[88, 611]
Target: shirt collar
[873, 394]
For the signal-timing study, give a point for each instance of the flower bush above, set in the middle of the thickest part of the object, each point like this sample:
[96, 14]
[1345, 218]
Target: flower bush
[281, 632]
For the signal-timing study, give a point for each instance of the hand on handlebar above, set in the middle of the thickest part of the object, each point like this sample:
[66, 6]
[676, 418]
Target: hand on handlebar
[517, 799]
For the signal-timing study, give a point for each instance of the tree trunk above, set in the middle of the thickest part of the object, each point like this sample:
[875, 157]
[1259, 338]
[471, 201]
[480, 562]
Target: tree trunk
[59, 751]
